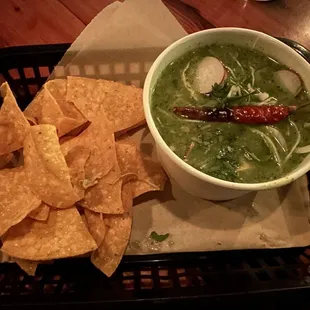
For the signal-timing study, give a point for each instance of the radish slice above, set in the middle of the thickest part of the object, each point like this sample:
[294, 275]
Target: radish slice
[288, 80]
[209, 71]
[225, 76]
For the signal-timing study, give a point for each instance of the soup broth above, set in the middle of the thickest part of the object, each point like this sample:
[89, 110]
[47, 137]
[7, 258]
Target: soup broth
[227, 150]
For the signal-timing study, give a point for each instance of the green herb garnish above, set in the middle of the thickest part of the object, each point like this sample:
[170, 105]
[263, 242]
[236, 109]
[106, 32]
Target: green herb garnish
[159, 238]
[220, 92]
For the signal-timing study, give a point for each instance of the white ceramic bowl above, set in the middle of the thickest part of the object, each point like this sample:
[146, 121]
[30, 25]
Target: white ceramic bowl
[189, 178]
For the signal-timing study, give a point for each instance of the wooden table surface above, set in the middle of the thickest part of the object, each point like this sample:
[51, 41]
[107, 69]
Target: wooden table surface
[57, 21]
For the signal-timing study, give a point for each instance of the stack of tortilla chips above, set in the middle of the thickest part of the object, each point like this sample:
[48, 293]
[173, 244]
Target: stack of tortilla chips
[69, 173]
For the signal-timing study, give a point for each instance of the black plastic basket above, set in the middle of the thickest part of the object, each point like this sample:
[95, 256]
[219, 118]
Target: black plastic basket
[256, 278]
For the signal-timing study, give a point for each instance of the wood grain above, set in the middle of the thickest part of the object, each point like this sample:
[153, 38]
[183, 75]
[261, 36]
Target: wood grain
[57, 21]
[85, 10]
[187, 16]
[25, 22]
[286, 18]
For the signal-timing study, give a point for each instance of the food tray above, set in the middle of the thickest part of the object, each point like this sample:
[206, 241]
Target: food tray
[254, 277]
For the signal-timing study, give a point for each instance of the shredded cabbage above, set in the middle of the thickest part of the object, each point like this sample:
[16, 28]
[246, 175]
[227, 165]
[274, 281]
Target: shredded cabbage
[278, 137]
[187, 84]
[270, 145]
[303, 150]
[296, 142]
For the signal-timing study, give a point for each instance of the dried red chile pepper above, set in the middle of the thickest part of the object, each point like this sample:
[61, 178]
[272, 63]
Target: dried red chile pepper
[264, 114]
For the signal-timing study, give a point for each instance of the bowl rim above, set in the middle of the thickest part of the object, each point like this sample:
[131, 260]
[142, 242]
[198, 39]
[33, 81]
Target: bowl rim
[297, 173]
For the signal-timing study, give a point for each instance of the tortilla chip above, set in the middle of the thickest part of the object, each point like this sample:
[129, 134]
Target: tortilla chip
[6, 160]
[31, 120]
[150, 175]
[40, 213]
[18, 160]
[106, 196]
[13, 124]
[76, 131]
[95, 225]
[123, 137]
[46, 169]
[76, 159]
[100, 141]
[128, 195]
[108, 256]
[28, 266]
[64, 139]
[58, 89]
[127, 155]
[62, 235]
[121, 104]
[16, 198]
[127, 160]
[83, 217]
[84, 93]
[45, 110]
[102, 175]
